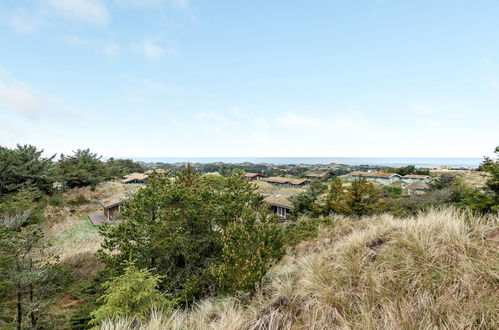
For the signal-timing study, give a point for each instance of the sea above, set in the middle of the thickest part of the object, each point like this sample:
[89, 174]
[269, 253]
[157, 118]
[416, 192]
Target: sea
[378, 161]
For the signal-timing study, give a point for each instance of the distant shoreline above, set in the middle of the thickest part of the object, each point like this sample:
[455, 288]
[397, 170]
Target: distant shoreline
[354, 161]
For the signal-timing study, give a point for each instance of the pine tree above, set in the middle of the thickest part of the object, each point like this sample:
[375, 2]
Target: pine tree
[132, 294]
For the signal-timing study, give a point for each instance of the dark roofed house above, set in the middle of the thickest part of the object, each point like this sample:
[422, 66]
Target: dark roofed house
[287, 182]
[254, 176]
[279, 204]
[135, 178]
[319, 174]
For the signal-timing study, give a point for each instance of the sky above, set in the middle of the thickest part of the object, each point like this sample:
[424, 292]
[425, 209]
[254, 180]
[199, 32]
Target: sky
[234, 78]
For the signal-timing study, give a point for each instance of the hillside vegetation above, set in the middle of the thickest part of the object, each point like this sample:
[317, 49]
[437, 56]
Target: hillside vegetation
[438, 269]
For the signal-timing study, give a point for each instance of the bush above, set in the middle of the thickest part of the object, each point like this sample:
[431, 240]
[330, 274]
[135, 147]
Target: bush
[305, 229]
[132, 294]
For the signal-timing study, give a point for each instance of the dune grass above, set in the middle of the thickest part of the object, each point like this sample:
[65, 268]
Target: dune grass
[435, 270]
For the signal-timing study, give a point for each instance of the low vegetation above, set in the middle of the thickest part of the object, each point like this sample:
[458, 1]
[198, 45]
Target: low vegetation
[202, 252]
[434, 270]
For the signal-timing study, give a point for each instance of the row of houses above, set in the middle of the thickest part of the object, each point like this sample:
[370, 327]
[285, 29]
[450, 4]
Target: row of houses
[387, 178]
[411, 183]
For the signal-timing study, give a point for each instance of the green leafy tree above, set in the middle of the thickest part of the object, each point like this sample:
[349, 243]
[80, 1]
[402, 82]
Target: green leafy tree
[335, 201]
[411, 169]
[251, 244]
[83, 168]
[362, 198]
[175, 227]
[441, 182]
[132, 294]
[492, 168]
[24, 167]
[33, 276]
[306, 202]
[117, 168]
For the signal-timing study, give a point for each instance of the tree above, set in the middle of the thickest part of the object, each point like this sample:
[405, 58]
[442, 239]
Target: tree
[411, 169]
[306, 202]
[362, 198]
[83, 168]
[441, 182]
[24, 167]
[132, 294]
[487, 199]
[117, 168]
[251, 244]
[33, 275]
[175, 227]
[335, 199]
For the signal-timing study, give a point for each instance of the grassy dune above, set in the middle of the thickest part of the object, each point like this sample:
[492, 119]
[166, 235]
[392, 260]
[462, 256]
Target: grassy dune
[437, 270]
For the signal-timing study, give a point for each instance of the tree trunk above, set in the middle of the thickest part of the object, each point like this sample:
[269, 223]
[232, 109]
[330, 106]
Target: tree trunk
[32, 313]
[19, 308]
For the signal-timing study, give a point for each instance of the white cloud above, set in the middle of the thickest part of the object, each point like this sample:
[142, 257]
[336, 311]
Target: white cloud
[75, 40]
[151, 50]
[237, 111]
[25, 21]
[155, 85]
[29, 102]
[260, 122]
[180, 3]
[139, 3]
[88, 11]
[111, 50]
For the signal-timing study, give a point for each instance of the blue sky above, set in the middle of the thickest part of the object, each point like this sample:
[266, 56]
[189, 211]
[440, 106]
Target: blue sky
[213, 78]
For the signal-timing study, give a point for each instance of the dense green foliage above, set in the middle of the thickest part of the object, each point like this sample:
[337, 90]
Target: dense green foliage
[117, 168]
[307, 201]
[250, 244]
[83, 168]
[24, 167]
[359, 198]
[132, 294]
[29, 273]
[187, 229]
[411, 169]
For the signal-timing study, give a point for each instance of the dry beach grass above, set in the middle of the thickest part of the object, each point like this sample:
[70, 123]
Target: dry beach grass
[436, 270]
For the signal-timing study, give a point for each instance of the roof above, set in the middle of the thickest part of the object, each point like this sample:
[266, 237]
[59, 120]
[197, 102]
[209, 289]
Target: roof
[416, 176]
[212, 174]
[134, 176]
[250, 175]
[374, 174]
[318, 173]
[113, 200]
[280, 179]
[417, 186]
[157, 171]
[279, 200]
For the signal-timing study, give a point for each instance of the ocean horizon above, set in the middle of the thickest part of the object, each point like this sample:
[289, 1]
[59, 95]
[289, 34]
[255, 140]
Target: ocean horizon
[379, 161]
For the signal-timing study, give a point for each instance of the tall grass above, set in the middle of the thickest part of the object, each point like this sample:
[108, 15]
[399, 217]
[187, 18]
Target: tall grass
[435, 270]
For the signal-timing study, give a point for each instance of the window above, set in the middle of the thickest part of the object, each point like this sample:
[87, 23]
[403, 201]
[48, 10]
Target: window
[281, 211]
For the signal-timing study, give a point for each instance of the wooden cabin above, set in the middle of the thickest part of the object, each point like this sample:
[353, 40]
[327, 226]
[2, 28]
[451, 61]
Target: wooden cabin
[287, 182]
[111, 208]
[280, 205]
[319, 174]
[137, 178]
[254, 176]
